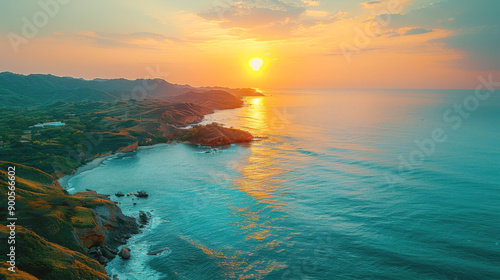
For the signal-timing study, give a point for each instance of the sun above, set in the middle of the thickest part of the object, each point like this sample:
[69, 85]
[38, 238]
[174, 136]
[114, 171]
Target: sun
[256, 63]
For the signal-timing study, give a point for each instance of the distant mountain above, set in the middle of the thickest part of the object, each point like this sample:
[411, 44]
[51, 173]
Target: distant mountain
[18, 90]
[31, 90]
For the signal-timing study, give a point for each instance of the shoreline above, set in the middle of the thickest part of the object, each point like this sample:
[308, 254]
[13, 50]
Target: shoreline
[96, 162]
[203, 123]
[64, 181]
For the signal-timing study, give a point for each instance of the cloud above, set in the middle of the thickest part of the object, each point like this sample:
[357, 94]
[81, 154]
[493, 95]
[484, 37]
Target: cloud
[334, 53]
[144, 40]
[474, 26]
[370, 4]
[481, 48]
[253, 16]
[416, 31]
[268, 19]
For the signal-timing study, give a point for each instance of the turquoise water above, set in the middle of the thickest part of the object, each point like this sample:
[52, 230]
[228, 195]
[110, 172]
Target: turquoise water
[335, 188]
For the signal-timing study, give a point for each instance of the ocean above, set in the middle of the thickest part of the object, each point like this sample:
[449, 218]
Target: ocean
[339, 184]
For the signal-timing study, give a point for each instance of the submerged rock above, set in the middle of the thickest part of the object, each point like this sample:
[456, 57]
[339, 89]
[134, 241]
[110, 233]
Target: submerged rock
[119, 194]
[154, 253]
[212, 151]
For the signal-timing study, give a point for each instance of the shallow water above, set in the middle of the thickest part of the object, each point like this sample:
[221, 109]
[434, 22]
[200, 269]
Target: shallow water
[336, 188]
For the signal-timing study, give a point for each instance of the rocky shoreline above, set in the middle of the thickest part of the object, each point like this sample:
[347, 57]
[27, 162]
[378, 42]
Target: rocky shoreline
[74, 236]
[63, 236]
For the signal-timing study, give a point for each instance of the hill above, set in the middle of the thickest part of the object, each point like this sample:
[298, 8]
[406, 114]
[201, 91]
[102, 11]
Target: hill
[18, 90]
[96, 129]
[55, 237]
[212, 99]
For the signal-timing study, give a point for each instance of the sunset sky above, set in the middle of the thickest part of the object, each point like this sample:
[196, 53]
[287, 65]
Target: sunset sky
[302, 43]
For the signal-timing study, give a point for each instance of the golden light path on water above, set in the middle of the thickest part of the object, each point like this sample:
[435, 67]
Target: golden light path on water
[275, 153]
[260, 176]
[260, 179]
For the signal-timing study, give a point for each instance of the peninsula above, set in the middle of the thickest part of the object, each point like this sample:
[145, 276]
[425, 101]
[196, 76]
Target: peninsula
[52, 125]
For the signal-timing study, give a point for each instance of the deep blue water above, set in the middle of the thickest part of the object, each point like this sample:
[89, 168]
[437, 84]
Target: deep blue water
[336, 188]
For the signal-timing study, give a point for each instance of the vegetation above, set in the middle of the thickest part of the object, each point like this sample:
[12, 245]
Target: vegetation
[92, 129]
[57, 228]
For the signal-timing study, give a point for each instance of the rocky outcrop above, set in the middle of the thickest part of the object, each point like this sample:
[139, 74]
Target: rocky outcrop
[217, 135]
[37, 258]
[78, 233]
[109, 225]
[183, 114]
[141, 194]
[129, 148]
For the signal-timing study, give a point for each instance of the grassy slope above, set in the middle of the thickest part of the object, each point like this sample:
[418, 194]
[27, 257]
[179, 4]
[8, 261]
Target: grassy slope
[57, 227]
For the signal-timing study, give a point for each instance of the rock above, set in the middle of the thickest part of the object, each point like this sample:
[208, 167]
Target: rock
[95, 251]
[121, 240]
[119, 194]
[124, 253]
[114, 251]
[108, 253]
[102, 260]
[135, 203]
[115, 277]
[129, 194]
[141, 194]
[143, 217]
[217, 135]
[154, 253]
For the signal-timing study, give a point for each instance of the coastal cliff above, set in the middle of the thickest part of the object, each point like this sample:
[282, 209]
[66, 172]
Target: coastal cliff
[57, 233]
[64, 236]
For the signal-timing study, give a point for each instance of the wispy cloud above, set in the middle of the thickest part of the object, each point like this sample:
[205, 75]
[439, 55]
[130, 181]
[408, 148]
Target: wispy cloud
[370, 4]
[474, 27]
[143, 40]
[416, 31]
[268, 20]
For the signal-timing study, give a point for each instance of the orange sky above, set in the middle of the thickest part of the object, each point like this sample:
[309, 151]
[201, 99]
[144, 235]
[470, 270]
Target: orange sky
[304, 44]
